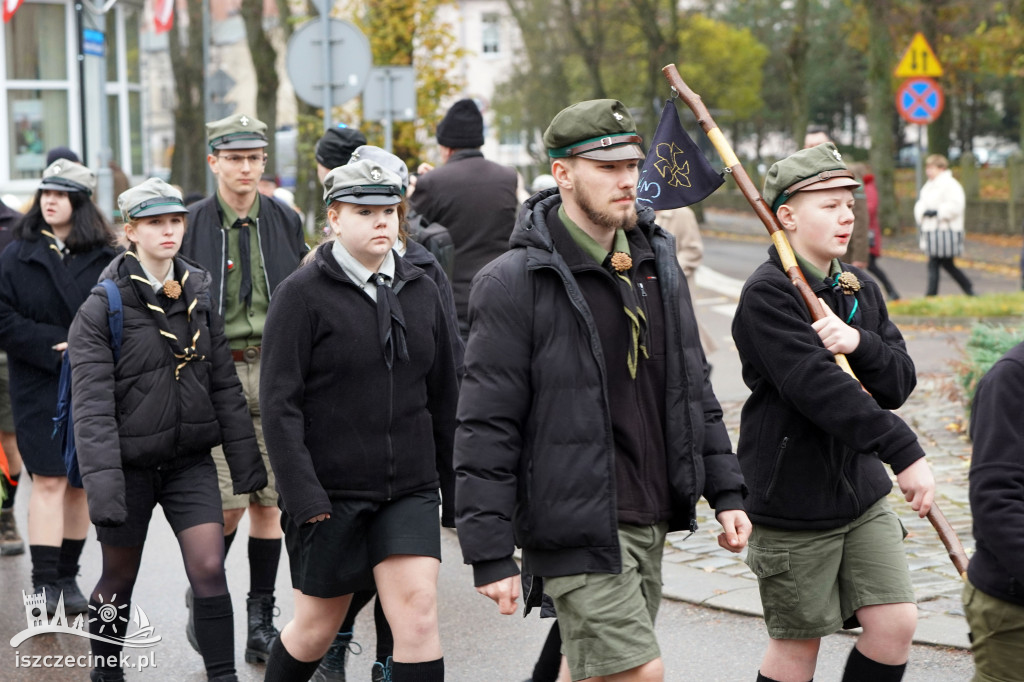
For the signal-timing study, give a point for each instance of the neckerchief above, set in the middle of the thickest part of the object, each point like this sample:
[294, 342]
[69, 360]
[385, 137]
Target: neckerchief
[390, 321]
[144, 289]
[842, 282]
[62, 253]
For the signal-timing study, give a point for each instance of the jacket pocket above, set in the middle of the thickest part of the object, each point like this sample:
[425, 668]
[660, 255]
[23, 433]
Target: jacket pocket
[563, 585]
[774, 576]
[773, 475]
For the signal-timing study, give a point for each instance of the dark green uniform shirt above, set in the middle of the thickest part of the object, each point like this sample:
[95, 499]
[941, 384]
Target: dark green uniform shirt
[243, 326]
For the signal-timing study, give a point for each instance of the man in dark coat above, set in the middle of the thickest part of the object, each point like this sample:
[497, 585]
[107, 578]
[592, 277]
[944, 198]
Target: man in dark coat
[249, 244]
[10, 539]
[587, 423]
[471, 196]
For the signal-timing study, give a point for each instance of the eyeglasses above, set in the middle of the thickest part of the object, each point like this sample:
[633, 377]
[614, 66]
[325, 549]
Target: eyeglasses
[239, 159]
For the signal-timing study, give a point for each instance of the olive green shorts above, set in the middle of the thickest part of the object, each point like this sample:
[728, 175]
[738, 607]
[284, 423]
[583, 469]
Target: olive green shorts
[813, 581]
[997, 636]
[249, 375]
[607, 620]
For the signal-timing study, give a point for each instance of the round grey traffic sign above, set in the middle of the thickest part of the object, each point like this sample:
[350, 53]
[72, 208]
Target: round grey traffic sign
[350, 60]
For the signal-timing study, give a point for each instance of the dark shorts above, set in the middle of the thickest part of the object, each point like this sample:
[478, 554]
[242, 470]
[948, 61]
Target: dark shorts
[336, 557]
[188, 495]
[6, 416]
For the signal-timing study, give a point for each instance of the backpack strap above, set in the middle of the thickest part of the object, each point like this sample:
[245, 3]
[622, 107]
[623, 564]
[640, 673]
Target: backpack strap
[115, 316]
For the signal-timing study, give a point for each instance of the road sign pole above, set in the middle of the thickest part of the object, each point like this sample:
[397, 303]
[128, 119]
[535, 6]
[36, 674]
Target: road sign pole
[919, 165]
[389, 116]
[328, 84]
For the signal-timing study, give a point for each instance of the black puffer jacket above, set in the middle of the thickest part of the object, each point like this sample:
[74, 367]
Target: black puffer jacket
[534, 453]
[810, 437]
[997, 480]
[136, 414]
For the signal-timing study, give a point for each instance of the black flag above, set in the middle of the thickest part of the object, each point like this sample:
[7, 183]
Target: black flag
[675, 172]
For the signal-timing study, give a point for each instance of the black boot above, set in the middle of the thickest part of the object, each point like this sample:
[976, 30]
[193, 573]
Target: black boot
[262, 632]
[106, 675]
[332, 667]
[190, 622]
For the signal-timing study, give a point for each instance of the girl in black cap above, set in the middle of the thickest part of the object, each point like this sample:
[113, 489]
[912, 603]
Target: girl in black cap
[145, 422]
[61, 246]
[358, 397]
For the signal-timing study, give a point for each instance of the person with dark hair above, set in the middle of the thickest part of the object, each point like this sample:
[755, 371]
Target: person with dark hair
[145, 422]
[58, 153]
[60, 248]
[249, 243]
[335, 148]
[474, 198]
[358, 395]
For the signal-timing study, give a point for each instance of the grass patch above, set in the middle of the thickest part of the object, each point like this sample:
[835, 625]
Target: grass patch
[988, 305]
[985, 346]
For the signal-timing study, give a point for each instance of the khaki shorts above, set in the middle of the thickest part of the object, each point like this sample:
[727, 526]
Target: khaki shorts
[813, 581]
[607, 620]
[6, 416]
[997, 636]
[249, 375]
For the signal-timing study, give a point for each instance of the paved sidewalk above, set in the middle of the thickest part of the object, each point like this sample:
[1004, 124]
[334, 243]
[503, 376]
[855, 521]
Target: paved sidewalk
[697, 570]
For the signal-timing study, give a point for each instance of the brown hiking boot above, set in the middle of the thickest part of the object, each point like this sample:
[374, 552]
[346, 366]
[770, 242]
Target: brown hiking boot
[10, 541]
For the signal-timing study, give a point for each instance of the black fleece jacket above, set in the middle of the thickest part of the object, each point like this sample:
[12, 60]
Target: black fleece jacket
[338, 423]
[812, 442]
[997, 480]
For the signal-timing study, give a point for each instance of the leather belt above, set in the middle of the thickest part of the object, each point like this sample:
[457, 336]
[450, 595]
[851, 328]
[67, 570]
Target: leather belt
[248, 354]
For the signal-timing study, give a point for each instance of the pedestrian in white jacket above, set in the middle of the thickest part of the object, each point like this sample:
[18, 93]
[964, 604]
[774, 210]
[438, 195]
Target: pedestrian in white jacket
[939, 213]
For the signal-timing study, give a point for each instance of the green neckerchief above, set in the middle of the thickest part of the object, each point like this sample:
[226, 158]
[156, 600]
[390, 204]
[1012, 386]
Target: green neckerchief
[813, 274]
[630, 304]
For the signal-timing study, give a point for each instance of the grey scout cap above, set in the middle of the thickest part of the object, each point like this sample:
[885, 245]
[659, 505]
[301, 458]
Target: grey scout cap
[363, 182]
[152, 197]
[67, 176]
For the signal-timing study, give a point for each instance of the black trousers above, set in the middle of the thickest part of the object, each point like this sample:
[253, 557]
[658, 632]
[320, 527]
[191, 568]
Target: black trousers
[956, 273]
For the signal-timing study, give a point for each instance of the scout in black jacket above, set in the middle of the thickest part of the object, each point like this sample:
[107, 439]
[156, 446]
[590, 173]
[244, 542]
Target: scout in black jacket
[358, 396]
[587, 424]
[61, 246]
[826, 548]
[144, 426]
[994, 593]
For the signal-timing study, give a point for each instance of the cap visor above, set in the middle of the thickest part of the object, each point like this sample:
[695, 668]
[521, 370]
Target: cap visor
[621, 152]
[370, 199]
[253, 143]
[831, 183]
[64, 186]
[159, 210]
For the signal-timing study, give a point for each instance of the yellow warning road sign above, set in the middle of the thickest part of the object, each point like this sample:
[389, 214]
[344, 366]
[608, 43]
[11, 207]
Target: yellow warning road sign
[918, 60]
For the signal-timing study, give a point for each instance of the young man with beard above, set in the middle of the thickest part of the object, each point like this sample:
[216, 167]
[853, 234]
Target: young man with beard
[249, 243]
[587, 424]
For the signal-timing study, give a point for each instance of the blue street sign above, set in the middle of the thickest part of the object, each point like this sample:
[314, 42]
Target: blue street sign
[92, 42]
[920, 100]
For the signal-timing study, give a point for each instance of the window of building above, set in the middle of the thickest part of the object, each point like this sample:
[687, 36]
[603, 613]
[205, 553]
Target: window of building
[491, 34]
[124, 89]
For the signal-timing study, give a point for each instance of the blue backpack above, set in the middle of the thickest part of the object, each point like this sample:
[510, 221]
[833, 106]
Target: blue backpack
[64, 422]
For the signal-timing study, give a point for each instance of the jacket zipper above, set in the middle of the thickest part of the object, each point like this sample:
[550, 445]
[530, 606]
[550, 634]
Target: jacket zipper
[776, 466]
[263, 260]
[223, 270]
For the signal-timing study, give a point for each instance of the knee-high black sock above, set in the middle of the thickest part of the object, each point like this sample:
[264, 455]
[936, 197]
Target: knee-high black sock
[283, 667]
[385, 639]
[44, 564]
[762, 678]
[550, 659]
[215, 632]
[108, 619]
[10, 490]
[67, 562]
[228, 539]
[264, 556]
[860, 668]
[428, 671]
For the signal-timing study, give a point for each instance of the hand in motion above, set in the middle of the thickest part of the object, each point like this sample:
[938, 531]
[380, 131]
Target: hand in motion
[837, 336]
[736, 529]
[918, 486]
[318, 518]
[504, 592]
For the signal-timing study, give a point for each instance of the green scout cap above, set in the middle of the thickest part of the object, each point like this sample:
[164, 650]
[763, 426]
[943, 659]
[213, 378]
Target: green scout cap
[67, 176]
[599, 129]
[819, 167]
[363, 182]
[237, 131]
[152, 197]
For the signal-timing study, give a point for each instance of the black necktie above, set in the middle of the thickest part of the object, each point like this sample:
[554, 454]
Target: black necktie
[245, 287]
[390, 321]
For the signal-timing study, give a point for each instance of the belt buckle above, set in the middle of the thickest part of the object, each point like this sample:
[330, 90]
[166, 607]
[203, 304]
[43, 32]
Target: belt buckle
[251, 353]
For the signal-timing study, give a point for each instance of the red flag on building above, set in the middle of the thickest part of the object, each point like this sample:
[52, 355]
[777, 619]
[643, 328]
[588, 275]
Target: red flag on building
[10, 7]
[163, 15]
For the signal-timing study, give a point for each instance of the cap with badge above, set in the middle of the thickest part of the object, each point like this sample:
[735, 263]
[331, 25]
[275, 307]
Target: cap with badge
[383, 158]
[237, 131]
[335, 147]
[363, 182]
[67, 176]
[600, 129]
[814, 168]
[150, 198]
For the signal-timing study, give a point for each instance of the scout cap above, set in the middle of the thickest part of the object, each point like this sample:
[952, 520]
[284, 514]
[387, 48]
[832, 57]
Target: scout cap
[819, 167]
[599, 129]
[362, 182]
[335, 147]
[67, 176]
[152, 197]
[383, 158]
[237, 131]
